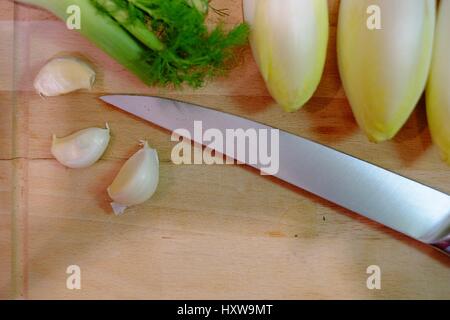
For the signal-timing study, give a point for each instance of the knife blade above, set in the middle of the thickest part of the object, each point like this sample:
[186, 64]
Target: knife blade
[397, 202]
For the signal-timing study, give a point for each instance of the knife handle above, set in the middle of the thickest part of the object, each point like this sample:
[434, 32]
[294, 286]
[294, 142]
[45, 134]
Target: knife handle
[443, 246]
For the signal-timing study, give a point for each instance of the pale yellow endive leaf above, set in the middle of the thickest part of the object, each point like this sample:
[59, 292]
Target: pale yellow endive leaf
[289, 40]
[438, 93]
[384, 71]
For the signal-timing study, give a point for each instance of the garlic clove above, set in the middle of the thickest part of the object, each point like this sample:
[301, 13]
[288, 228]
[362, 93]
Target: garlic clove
[63, 75]
[136, 181]
[118, 209]
[81, 149]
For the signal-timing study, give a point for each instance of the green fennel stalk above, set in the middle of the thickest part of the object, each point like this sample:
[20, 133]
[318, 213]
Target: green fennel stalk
[135, 26]
[164, 42]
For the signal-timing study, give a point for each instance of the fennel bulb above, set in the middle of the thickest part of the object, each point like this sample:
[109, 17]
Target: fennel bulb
[163, 42]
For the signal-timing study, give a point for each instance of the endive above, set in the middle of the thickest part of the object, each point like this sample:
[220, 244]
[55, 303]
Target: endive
[289, 40]
[384, 71]
[438, 93]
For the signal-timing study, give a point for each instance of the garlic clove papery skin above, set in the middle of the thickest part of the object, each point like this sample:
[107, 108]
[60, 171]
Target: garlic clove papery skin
[438, 93]
[63, 75]
[289, 41]
[81, 149]
[136, 181]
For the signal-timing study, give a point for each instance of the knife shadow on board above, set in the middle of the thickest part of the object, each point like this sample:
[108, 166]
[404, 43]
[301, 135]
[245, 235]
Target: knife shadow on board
[377, 231]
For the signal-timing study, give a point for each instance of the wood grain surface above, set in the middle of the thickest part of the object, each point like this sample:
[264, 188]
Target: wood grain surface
[214, 232]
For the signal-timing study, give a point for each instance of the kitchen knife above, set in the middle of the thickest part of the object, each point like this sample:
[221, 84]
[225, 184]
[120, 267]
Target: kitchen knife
[407, 206]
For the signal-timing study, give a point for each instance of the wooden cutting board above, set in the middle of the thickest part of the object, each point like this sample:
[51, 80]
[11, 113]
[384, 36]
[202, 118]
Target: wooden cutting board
[210, 231]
